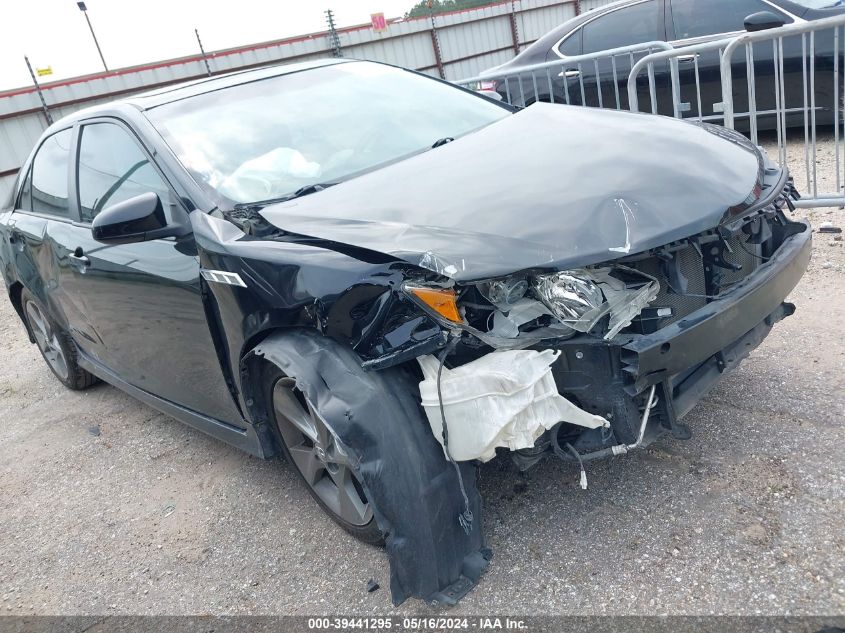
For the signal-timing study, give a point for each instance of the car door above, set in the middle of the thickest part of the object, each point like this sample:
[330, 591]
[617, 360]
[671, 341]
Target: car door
[144, 314]
[603, 83]
[40, 223]
[697, 21]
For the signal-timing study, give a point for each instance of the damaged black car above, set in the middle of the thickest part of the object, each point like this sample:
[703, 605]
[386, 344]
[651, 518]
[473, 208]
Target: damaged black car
[388, 280]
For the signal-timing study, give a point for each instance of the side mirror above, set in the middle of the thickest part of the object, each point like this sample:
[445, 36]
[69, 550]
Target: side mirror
[763, 20]
[138, 219]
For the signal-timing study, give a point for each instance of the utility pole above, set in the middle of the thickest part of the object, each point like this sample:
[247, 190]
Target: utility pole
[514, 28]
[334, 39]
[47, 114]
[84, 10]
[435, 42]
[202, 50]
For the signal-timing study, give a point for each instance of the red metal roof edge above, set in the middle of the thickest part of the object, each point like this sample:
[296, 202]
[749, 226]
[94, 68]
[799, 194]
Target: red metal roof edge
[177, 61]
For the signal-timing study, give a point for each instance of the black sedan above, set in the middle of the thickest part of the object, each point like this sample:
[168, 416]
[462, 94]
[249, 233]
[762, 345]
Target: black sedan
[683, 23]
[387, 279]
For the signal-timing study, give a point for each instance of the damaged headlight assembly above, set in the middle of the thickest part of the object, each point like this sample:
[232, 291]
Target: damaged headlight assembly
[570, 301]
[504, 293]
[581, 298]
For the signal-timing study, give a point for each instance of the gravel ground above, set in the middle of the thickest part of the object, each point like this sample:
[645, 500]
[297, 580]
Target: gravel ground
[108, 507]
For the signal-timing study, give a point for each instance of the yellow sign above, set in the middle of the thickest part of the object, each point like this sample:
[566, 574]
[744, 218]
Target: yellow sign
[43, 72]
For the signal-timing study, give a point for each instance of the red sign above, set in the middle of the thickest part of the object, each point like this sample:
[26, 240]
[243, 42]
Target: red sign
[379, 23]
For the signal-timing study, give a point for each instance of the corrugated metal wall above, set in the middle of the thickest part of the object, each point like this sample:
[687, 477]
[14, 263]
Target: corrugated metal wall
[589, 5]
[461, 44]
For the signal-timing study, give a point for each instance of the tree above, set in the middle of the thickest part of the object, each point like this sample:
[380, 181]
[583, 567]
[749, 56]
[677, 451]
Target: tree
[443, 6]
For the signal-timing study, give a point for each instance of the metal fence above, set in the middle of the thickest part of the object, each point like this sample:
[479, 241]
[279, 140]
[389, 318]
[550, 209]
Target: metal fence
[595, 79]
[781, 87]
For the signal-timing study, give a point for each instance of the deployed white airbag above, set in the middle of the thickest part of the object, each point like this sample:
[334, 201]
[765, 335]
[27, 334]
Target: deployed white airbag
[505, 399]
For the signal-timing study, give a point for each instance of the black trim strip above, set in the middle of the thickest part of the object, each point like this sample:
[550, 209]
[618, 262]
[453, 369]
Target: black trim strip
[245, 439]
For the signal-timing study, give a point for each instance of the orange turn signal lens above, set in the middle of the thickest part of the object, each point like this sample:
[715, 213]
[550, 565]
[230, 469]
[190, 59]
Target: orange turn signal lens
[441, 300]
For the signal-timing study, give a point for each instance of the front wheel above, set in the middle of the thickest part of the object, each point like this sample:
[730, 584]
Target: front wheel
[320, 459]
[55, 345]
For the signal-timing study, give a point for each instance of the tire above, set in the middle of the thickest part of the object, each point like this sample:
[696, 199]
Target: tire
[57, 348]
[318, 458]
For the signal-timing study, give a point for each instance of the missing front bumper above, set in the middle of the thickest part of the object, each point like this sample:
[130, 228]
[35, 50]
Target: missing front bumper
[702, 334]
[684, 359]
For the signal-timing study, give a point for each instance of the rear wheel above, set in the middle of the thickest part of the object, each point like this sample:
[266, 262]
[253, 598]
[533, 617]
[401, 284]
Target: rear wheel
[55, 345]
[319, 458]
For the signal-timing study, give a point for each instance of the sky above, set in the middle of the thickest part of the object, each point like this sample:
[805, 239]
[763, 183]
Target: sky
[54, 32]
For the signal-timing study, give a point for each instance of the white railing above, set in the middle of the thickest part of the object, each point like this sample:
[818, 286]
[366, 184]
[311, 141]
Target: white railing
[793, 83]
[796, 68]
[562, 80]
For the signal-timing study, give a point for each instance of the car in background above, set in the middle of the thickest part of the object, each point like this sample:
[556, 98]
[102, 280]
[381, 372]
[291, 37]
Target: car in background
[680, 23]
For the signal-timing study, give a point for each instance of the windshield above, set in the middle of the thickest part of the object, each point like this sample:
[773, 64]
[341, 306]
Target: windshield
[270, 138]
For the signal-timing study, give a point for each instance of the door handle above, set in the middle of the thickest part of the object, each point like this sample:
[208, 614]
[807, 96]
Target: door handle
[686, 59]
[570, 73]
[79, 259]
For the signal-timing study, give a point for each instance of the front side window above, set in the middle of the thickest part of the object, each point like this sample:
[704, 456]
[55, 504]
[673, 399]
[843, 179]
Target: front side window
[266, 139]
[49, 175]
[113, 168]
[624, 27]
[699, 18]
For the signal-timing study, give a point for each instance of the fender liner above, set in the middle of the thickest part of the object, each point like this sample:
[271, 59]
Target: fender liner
[414, 491]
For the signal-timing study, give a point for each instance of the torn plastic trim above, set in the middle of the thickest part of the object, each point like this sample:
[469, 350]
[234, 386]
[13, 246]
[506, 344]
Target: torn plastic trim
[409, 352]
[412, 488]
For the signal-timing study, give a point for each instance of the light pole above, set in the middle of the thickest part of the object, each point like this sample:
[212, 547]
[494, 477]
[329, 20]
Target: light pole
[84, 10]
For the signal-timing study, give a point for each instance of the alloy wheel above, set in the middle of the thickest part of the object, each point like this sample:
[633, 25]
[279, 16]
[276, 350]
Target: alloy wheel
[318, 456]
[47, 340]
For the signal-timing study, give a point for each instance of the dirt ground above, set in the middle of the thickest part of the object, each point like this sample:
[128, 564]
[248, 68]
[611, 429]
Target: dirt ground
[108, 507]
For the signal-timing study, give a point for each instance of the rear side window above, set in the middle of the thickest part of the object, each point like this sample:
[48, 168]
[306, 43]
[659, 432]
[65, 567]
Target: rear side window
[623, 27]
[571, 46]
[49, 175]
[112, 169]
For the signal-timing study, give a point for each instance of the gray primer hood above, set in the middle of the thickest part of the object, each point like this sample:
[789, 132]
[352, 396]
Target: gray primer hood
[551, 186]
